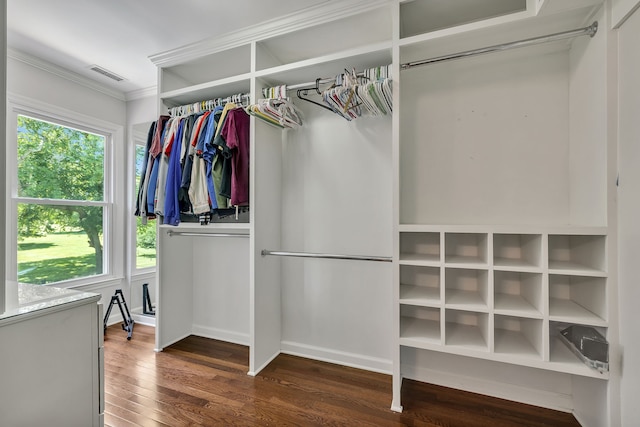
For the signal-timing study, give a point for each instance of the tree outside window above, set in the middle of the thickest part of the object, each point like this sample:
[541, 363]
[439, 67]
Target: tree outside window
[61, 203]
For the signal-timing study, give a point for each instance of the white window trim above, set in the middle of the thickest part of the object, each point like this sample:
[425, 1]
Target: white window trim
[114, 185]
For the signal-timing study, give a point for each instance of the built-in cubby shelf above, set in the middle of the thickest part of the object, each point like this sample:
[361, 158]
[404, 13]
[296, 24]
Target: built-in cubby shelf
[420, 285]
[517, 251]
[419, 326]
[577, 254]
[520, 337]
[467, 329]
[499, 293]
[466, 248]
[466, 289]
[577, 299]
[518, 293]
[419, 248]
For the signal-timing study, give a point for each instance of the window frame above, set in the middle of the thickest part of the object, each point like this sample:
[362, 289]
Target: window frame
[112, 265]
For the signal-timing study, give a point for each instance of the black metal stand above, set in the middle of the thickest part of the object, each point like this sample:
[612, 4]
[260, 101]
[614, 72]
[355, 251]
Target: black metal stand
[147, 308]
[128, 321]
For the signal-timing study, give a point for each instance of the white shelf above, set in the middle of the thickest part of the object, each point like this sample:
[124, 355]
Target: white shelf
[419, 295]
[419, 332]
[574, 268]
[508, 264]
[208, 90]
[562, 310]
[514, 305]
[419, 259]
[466, 261]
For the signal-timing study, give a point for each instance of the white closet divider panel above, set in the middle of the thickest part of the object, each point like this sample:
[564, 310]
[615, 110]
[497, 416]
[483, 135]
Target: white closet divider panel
[266, 275]
[174, 295]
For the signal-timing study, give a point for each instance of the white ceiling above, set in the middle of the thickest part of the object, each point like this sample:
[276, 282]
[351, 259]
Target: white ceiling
[120, 35]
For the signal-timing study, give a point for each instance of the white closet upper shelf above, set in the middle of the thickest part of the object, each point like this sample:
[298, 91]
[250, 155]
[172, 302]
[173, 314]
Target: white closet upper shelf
[374, 55]
[220, 65]
[498, 25]
[348, 33]
[210, 90]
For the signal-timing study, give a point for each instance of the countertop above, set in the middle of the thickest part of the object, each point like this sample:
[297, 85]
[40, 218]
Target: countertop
[25, 301]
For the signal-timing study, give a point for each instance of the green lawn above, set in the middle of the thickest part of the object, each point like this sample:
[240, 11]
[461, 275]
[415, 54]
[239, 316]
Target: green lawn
[62, 256]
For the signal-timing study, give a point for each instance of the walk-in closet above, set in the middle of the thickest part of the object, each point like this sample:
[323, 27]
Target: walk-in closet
[448, 237]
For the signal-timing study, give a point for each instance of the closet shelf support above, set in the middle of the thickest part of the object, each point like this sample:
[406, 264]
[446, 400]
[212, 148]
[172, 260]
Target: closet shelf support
[266, 252]
[590, 31]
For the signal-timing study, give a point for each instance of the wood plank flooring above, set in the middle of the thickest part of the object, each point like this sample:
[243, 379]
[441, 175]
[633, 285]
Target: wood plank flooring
[202, 382]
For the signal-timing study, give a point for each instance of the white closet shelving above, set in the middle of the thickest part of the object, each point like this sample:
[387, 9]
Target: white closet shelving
[489, 187]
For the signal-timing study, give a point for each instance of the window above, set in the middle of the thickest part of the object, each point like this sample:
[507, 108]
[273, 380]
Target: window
[145, 238]
[61, 200]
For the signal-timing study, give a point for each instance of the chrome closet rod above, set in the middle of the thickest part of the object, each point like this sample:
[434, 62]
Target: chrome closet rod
[590, 31]
[328, 256]
[186, 233]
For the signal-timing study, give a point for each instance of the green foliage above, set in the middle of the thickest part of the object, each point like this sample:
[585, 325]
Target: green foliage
[146, 234]
[57, 162]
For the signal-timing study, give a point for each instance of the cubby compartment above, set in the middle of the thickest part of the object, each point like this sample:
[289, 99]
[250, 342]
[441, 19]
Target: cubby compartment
[467, 329]
[518, 293]
[419, 285]
[582, 254]
[417, 247]
[517, 336]
[419, 326]
[425, 16]
[578, 299]
[311, 42]
[466, 248]
[564, 358]
[466, 289]
[518, 251]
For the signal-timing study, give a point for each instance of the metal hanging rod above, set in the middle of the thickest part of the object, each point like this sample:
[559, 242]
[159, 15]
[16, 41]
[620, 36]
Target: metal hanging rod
[590, 31]
[266, 252]
[185, 233]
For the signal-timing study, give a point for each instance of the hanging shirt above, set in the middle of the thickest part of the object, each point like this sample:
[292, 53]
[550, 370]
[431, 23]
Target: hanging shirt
[171, 208]
[236, 135]
[218, 163]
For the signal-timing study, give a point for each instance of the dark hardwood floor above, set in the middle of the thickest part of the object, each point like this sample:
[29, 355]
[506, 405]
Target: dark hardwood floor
[202, 382]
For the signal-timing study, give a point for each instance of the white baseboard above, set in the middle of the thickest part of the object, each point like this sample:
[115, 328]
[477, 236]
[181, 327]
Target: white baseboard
[529, 396]
[352, 360]
[144, 319]
[221, 334]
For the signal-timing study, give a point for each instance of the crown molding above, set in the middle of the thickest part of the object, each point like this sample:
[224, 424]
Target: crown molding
[63, 73]
[315, 15]
[141, 93]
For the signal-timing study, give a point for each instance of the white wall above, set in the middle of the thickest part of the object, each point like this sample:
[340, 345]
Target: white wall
[142, 110]
[32, 79]
[629, 215]
[3, 133]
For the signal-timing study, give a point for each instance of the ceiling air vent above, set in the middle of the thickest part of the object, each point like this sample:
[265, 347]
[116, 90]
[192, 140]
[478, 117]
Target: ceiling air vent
[106, 73]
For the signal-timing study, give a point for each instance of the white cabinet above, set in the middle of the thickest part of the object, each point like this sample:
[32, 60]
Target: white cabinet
[52, 366]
